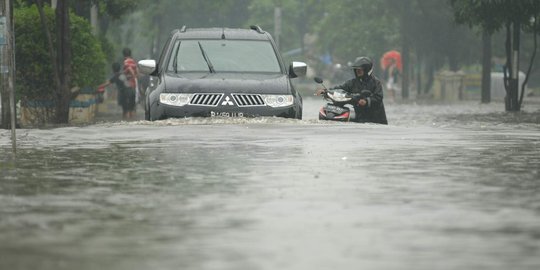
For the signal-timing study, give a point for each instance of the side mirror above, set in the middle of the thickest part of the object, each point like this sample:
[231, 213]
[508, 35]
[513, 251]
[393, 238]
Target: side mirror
[147, 66]
[297, 69]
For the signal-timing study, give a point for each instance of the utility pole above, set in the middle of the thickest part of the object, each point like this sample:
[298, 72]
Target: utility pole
[405, 50]
[8, 65]
[4, 114]
[11, 71]
[94, 19]
[277, 25]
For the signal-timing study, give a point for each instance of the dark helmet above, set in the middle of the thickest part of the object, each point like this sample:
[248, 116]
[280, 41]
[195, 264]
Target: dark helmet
[364, 63]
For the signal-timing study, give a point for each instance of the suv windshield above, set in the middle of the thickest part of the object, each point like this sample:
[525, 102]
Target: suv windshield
[224, 56]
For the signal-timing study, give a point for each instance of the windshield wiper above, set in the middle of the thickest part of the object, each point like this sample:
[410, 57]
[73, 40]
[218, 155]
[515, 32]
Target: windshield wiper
[205, 56]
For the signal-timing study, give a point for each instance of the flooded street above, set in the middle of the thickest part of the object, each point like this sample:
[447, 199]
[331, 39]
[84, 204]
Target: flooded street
[441, 187]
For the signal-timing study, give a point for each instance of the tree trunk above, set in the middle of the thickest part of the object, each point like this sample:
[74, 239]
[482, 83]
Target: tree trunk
[507, 68]
[452, 61]
[104, 22]
[405, 76]
[451, 54]
[63, 50]
[52, 52]
[535, 42]
[5, 115]
[156, 38]
[405, 57]
[512, 101]
[418, 71]
[430, 76]
[486, 67]
[80, 9]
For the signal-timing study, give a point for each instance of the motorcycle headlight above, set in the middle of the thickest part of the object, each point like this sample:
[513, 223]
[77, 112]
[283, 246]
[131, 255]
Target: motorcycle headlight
[175, 99]
[339, 96]
[276, 101]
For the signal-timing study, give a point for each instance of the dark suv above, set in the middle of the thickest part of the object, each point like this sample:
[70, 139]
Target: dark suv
[221, 72]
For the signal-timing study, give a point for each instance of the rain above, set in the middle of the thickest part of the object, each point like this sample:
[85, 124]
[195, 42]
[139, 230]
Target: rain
[262, 179]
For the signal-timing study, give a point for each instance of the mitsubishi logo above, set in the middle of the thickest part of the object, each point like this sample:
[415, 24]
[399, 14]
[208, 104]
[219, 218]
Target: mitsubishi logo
[227, 101]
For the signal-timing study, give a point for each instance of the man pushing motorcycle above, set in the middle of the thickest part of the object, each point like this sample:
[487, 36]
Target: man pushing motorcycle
[367, 107]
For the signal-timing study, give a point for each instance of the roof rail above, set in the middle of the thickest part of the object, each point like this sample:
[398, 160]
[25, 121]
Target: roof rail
[183, 29]
[256, 28]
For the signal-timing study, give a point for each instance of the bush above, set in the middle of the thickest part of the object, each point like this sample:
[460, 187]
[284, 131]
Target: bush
[35, 76]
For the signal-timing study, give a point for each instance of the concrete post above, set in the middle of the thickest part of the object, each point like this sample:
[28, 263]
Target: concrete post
[94, 19]
[277, 25]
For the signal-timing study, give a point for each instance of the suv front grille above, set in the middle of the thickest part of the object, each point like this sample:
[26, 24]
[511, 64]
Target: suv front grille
[206, 99]
[247, 100]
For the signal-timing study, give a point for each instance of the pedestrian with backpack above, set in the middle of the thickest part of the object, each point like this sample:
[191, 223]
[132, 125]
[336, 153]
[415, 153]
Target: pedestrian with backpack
[131, 72]
[126, 96]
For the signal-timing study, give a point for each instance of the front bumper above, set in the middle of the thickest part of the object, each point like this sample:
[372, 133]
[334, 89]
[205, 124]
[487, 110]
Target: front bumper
[163, 111]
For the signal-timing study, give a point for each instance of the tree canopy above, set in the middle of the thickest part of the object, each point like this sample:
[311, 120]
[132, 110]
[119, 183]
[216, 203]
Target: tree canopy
[34, 80]
[492, 15]
[514, 16]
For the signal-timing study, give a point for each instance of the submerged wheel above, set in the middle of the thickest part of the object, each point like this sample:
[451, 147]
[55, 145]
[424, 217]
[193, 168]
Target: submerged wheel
[146, 113]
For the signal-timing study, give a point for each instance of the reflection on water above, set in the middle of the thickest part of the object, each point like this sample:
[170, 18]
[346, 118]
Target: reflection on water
[442, 187]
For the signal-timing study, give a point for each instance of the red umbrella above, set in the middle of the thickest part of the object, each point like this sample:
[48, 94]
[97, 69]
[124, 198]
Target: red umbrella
[389, 57]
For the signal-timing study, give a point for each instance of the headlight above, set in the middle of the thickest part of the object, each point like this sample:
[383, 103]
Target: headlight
[339, 96]
[278, 100]
[175, 99]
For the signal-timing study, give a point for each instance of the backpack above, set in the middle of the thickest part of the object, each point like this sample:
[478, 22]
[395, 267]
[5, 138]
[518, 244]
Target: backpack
[122, 77]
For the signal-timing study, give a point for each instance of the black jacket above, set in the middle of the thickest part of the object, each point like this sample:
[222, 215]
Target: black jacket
[374, 111]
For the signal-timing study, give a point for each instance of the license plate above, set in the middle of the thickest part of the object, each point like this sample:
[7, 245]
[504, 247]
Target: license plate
[335, 109]
[226, 114]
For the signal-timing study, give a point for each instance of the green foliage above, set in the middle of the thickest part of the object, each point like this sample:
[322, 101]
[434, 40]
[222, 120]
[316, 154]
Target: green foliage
[172, 13]
[492, 15]
[117, 8]
[297, 19]
[34, 77]
[145, 30]
[88, 57]
[363, 27]
[34, 71]
[156, 19]
[107, 47]
[114, 9]
[343, 28]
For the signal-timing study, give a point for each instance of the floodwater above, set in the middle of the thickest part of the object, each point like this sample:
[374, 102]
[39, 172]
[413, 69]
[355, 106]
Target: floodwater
[441, 187]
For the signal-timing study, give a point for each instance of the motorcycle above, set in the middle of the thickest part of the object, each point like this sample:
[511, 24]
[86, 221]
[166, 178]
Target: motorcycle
[340, 108]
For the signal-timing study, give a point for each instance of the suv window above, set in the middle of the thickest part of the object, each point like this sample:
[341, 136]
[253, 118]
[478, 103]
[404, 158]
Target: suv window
[225, 56]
